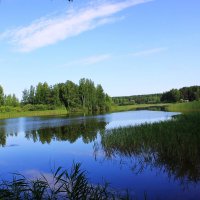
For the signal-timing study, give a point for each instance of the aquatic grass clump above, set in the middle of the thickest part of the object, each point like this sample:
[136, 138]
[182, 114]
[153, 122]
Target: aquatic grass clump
[72, 185]
[173, 144]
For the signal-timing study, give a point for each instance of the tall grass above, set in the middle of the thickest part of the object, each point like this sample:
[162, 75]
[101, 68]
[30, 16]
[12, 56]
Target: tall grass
[184, 107]
[171, 145]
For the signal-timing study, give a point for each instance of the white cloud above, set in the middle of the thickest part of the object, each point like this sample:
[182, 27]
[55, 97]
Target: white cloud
[91, 60]
[50, 30]
[149, 52]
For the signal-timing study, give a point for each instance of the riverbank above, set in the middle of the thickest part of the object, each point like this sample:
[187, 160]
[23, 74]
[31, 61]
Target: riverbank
[184, 107]
[62, 111]
[172, 107]
[8, 115]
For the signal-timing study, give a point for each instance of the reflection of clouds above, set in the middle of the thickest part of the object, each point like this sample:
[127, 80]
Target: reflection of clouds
[36, 174]
[12, 145]
[78, 153]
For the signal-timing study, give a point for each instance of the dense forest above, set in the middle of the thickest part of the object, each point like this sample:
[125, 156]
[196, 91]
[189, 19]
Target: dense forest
[174, 95]
[85, 96]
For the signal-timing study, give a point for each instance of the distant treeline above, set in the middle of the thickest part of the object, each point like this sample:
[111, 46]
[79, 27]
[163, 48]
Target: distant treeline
[137, 99]
[174, 95]
[184, 94]
[84, 95]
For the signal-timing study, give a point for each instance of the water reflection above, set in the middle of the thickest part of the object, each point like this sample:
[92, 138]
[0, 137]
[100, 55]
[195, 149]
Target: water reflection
[88, 140]
[87, 130]
[46, 130]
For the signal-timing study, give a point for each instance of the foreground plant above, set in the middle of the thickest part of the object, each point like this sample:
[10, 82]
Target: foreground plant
[71, 185]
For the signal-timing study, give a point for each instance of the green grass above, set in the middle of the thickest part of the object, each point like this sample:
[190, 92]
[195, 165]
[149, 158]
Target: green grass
[20, 113]
[32, 113]
[173, 107]
[176, 107]
[184, 107]
[136, 107]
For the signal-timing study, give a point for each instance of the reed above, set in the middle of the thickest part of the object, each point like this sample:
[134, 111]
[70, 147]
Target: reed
[193, 106]
[172, 145]
[71, 185]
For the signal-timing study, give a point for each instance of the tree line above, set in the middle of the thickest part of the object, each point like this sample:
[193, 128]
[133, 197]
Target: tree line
[174, 95]
[184, 94]
[85, 95]
[8, 100]
[137, 99]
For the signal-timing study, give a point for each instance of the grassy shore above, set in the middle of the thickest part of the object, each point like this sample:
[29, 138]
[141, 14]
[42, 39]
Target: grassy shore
[184, 107]
[32, 113]
[21, 113]
[176, 107]
[137, 107]
[172, 107]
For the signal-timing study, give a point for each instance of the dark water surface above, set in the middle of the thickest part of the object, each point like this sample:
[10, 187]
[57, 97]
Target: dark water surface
[35, 145]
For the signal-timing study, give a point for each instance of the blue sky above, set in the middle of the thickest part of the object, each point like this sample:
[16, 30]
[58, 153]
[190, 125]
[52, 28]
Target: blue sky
[128, 46]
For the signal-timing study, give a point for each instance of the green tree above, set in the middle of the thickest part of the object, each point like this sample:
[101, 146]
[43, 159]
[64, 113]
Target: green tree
[68, 93]
[83, 92]
[31, 98]
[1, 96]
[100, 96]
[91, 95]
[42, 93]
[87, 94]
[25, 97]
[54, 96]
[173, 95]
[11, 100]
[108, 102]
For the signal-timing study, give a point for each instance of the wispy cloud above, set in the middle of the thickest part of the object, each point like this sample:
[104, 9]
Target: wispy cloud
[149, 52]
[91, 60]
[50, 30]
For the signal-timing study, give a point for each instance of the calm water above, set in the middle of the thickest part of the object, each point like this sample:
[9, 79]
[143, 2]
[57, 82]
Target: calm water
[38, 144]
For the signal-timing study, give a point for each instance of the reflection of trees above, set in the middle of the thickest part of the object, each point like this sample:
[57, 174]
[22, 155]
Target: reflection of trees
[2, 138]
[87, 130]
[4, 135]
[172, 146]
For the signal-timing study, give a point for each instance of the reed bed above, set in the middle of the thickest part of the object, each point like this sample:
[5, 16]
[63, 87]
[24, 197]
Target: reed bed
[174, 144]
